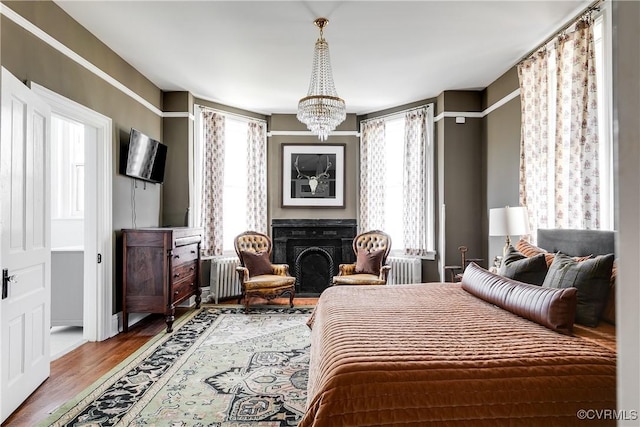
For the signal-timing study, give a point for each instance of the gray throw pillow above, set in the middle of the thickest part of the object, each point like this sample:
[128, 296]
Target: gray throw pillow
[591, 277]
[524, 269]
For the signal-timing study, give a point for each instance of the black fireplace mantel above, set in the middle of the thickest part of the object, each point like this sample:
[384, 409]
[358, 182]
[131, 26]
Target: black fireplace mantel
[292, 239]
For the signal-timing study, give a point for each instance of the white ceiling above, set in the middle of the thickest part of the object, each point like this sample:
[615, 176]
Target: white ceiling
[257, 55]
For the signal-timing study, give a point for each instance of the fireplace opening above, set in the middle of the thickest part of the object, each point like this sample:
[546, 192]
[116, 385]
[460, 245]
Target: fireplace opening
[314, 271]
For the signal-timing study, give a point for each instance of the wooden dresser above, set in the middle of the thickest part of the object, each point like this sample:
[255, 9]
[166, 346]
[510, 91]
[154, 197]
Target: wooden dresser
[160, 269]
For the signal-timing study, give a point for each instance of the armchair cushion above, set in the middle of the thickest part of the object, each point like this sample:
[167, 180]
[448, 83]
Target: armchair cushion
[257, 263]
[268, 281]
[358, 279]
[369, 262]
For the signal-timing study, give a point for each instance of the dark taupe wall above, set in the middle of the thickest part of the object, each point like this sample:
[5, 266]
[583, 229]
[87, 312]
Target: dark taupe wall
[502, 141]
[460, 166]
[178, 135]
[626, 112]
[28, 58]
[289, 122]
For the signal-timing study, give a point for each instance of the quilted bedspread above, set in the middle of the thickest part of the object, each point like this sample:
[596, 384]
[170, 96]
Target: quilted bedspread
[434, 355]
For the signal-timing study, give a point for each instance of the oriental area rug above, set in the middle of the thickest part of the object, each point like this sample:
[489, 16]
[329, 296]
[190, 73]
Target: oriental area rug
[219, 367]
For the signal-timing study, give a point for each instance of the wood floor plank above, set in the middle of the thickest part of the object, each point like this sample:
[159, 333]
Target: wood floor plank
[78, 369]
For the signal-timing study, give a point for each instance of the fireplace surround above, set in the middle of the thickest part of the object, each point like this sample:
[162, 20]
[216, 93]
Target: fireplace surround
[313, 248]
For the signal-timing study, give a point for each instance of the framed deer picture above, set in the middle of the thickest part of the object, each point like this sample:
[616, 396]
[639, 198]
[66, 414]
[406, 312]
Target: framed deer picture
[313, 175]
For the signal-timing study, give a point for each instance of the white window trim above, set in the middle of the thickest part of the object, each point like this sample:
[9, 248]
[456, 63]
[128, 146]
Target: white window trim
[607, 218]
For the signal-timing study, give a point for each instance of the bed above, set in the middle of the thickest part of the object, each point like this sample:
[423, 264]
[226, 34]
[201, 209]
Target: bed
[489, 351]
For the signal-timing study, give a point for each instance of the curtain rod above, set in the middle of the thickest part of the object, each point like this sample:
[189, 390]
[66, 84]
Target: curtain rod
[593, 6]
[397, 113]
[228, 113]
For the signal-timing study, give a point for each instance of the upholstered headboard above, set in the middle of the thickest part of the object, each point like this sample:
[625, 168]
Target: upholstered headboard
[577, 242]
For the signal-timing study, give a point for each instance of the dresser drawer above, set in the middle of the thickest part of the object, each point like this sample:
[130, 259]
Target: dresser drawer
[184, 254]
[184, 271]
[183, 289]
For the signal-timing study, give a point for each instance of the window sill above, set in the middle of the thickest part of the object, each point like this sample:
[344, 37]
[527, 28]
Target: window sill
[429, 256]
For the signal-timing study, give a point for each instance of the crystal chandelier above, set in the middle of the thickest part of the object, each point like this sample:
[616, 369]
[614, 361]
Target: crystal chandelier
[322, 109]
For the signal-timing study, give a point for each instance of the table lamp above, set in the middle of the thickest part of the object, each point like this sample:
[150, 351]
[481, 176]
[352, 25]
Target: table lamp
[508, 222]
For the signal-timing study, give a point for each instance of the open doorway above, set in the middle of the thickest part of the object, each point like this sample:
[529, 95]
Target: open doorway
[98, 319]
[67, 234]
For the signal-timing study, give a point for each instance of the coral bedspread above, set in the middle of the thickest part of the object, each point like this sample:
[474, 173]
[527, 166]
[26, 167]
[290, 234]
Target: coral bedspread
[434, 355]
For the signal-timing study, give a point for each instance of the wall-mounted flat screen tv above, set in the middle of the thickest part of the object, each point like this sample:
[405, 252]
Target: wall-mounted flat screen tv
[146, 158]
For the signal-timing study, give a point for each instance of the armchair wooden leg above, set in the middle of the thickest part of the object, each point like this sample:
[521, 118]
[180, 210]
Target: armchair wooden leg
[291, 296]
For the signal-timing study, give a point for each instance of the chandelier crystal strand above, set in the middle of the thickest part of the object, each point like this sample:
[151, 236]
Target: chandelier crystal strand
[322, 109]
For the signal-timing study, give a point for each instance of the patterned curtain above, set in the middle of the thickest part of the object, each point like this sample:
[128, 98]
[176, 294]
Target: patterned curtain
[212, 182]
[257, 177]
[559, 167]
[416, 187]
[372, 175]
[535, 156]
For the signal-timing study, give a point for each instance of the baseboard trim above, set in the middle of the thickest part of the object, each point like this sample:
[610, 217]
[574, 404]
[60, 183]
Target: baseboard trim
[116, 321]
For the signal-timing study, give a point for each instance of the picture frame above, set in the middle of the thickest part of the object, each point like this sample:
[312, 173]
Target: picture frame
[313, 175]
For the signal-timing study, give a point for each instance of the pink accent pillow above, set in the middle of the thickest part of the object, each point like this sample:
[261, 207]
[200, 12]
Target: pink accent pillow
[369, 262]
[257, 263]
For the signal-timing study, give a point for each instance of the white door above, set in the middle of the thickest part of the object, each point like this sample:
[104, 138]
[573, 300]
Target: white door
[25, 253]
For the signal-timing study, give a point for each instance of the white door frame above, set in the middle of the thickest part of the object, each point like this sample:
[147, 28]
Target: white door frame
[98, 283]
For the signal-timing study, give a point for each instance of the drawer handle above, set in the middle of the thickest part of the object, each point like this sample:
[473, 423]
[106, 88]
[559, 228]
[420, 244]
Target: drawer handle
[176, 275]
[176, 292]
[192, 268]
[176, 256]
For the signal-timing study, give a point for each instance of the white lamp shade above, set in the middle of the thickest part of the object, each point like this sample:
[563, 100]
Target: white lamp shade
[508, 221]
[498, 222]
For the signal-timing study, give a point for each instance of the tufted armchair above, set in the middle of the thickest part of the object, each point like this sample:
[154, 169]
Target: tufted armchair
[371, 249]
[258, 277]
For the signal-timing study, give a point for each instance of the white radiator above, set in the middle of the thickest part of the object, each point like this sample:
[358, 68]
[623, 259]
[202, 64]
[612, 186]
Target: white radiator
[404, 270]
[224, 278]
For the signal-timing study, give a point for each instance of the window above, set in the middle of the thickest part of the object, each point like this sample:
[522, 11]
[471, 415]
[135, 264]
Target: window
[566, 176]
[393, 159]
[605, 141]
[234, 192]
[67, 172]
[229, 178]
[397, 178]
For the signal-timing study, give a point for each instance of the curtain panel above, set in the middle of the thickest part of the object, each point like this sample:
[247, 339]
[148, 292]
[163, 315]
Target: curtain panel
[372, 175]
[212, 182]
[559, 165]
[417, 189]
[257, 177]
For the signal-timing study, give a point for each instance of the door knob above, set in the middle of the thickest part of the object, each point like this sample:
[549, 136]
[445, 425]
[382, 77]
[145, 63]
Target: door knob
[6, 279]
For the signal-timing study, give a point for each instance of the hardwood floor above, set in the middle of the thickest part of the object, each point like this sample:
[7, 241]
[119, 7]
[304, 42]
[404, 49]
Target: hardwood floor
[77, 370]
